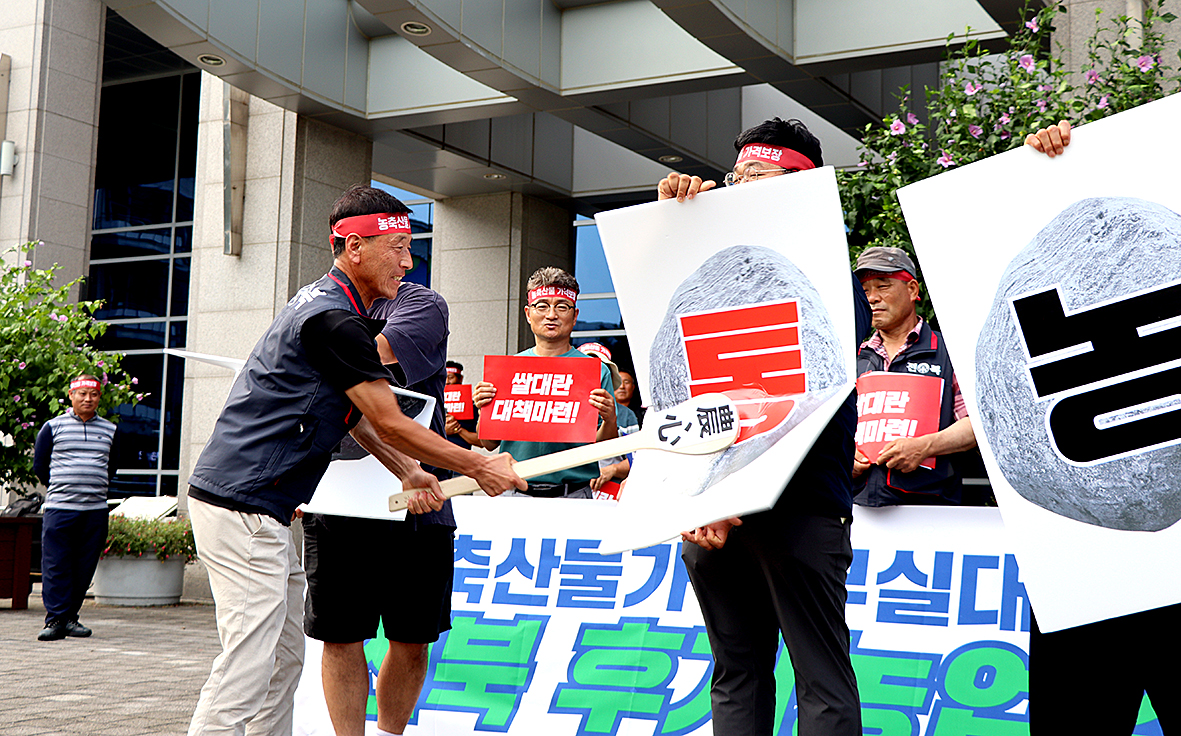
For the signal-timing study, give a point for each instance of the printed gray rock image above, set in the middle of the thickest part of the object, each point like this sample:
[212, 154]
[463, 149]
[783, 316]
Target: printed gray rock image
[1089, 436]
[738, 276]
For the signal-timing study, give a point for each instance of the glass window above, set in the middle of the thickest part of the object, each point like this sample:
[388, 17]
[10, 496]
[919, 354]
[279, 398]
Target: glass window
[145, 173]
[137, 151]
[130, 290]
[132, 336]
[180, 287]
[590, 265]
[598, 314]
[130, 244]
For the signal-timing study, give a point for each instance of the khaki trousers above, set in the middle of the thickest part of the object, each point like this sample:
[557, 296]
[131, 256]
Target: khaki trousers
[258, 586]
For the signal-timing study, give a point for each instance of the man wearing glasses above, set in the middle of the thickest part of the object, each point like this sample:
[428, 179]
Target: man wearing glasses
[552, 313]
[782, 570]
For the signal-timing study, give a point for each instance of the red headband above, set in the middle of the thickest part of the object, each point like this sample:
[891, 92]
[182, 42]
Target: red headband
[596, 349]
[85, 383]
[543, 292]
[900, 275]
[452, 371]
[369, 225]
[776, 155]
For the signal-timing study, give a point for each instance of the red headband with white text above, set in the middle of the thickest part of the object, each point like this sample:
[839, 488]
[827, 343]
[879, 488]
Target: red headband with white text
[369, 225]
[777, 155]
[546, 292]
[85, 383]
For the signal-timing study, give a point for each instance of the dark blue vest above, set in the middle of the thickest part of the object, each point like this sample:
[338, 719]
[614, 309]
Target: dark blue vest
[274, 438]
[943, 485]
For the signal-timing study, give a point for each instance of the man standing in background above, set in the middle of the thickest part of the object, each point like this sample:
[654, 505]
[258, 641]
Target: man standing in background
[72, 458]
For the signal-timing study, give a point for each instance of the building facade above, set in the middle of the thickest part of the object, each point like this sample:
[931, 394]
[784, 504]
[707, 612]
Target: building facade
[183, 154]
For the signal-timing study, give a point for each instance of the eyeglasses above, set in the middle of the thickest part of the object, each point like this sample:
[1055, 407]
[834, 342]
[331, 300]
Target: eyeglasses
[561, 308]
[733, 177]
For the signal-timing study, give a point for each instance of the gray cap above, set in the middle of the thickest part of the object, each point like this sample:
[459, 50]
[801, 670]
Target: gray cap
[885, 260]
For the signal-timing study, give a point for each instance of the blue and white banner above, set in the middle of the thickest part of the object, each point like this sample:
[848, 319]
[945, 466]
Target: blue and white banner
[551, 636]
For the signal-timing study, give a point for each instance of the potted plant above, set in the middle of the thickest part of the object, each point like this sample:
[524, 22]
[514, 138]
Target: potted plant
[143, 561]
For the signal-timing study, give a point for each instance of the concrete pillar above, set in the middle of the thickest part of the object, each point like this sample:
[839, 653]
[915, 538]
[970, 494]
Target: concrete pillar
[295, 169]
[485, 248]
[56, 50]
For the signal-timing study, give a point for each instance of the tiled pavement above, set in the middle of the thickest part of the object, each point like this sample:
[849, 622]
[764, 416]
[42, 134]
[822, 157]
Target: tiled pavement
[138, 675]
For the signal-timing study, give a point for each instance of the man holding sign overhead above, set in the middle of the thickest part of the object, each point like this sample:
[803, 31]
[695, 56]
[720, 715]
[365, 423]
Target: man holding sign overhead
[911, 415]
[551, 311]
[781, 570]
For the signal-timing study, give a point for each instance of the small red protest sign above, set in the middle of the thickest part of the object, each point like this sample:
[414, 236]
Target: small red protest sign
[457, 401]
[892, 406]
[540, 399]
[752, 354]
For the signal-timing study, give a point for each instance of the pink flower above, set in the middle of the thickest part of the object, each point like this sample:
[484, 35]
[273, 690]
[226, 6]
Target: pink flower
[1032, 25]
[1041, 104]
[134, 381]
[24, 425]
[100, 364]
[1026, 62]
[1092, 76]
[28, 264]
[1144, 63]
[952, 113]
[893, 156]
[897, 127]
[975, 130]
[863, 163]
[17, 398]
[53, 316]
[912, 118]
[1103, 102]
[971, 89]
[1005, 118]
[1044, 88]
[945, 160]
[21, 365]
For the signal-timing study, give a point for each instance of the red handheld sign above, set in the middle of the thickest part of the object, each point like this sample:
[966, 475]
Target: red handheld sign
[540, 399]
[892, 406]
[457, 401]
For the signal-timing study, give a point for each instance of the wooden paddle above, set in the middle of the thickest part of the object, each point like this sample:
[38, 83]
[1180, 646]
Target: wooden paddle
[701, 426]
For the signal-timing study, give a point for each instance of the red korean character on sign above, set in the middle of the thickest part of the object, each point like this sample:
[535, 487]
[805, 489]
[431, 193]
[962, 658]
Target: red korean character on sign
[752, 354]
[750, 347]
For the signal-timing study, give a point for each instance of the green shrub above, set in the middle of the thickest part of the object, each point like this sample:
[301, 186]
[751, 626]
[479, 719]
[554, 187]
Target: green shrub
[164, 538]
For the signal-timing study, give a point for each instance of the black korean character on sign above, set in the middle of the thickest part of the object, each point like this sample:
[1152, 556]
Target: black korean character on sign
[671, 425]
[1133, 334]
[714, 420]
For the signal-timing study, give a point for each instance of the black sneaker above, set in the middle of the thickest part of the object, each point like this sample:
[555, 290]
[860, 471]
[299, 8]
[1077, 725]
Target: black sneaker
[53, 631]
[73, 628]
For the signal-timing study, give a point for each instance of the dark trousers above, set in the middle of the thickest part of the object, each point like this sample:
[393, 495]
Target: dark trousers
[778, 574]
[1092, 678]
[71, 542]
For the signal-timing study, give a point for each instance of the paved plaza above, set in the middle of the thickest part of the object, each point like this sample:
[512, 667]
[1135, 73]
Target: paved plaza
[138, 675]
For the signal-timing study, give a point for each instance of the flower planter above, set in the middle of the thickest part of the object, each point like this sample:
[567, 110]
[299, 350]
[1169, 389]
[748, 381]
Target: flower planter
[139, 581]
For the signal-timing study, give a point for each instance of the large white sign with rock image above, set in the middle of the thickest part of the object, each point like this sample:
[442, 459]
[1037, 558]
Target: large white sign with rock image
[1058, 288]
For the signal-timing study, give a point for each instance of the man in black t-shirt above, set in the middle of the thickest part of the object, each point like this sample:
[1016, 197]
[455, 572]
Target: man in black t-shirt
[313, 376]
[343, 605]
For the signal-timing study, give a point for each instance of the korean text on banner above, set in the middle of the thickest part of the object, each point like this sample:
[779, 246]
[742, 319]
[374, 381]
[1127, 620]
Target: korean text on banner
[457, 401]
[540, 399]
[894, 406]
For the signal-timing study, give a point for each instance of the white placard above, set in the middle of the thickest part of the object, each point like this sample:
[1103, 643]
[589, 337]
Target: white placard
[677, 266]
[1002, 243]
[363, 487]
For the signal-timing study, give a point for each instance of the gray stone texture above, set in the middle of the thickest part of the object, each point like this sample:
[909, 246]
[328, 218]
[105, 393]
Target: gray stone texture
[738, 276]
[1137, 245]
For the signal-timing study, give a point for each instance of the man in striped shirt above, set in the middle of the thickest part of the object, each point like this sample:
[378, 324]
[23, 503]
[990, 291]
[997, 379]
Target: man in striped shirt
[72, 458]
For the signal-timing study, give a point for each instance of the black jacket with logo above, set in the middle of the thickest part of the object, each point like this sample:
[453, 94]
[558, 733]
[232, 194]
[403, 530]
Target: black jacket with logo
[881, 486]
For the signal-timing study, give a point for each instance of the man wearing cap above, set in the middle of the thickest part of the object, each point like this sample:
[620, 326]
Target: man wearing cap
[782, 570]
[72, 458]
[461, 432]
[313, 376]
[904, 343]
[552, 312]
